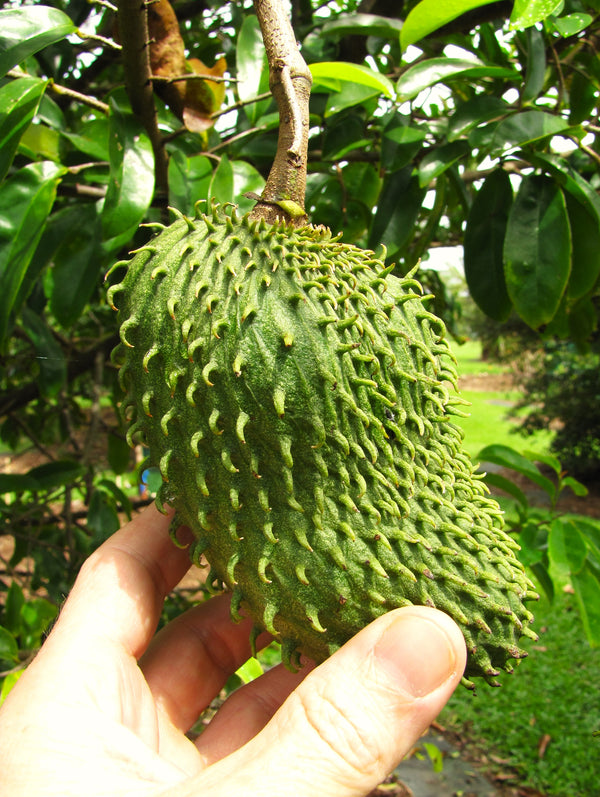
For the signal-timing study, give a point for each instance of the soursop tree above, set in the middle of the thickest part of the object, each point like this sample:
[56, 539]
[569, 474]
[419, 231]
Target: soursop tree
[478, 130]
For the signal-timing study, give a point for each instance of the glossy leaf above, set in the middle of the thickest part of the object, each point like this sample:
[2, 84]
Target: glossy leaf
[400, 143]
[253, 68]
[429, 15]
[131, 185]
[536, 65]
[527, 12]
[221, 184]
[325, 71]
[397, 210]
[363, 25]
[585, 260]
[78, 261]
[537, 250]
[25, 202]
[527, 126]
[484, 245]
[189, 180]
[582, 98]
[432, 71]
[246, 179]
[19, 102]
[508, 486]
[587, 591]
[26, 30]
[438, 159]
[60, 473]
[507, 457]
[571, 180]
[51, 362]
[571, 24]
[9, 649]
[477, 111]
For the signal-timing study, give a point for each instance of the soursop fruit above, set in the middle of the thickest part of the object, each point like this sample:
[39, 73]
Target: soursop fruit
[299, 401]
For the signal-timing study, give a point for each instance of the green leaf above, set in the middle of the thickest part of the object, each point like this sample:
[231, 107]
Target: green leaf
[19, 102]
[477, 111]
[400, 143]
[349, 95]
[526, 127]
[250, 670]
[17, 483]
[36, 614]
[252, 68]
[429, 15]
[26, 30]
[119, 453]
[25, 202]
[9, 650]
[509, 487]
[246, 179]
[585, 260]
[399, 204]
[576, 486]
[437, 159]
[102, 517]
[428, 73]
[189, 180]
[546, 459]
[560, 570]
[571, 180]
[587, 591]
[571, 24]
[221, 185]
[537, 250]
[61, 473]
[119, 497]
[507, 457]
[131, 184]
[484, 244]
[582, 98]
[49, 355]
[536, 65]
[92, 139]
[527, 12]
[78, 262]
[14, 602]
[363, 25]
[324, 72]
[8, 683]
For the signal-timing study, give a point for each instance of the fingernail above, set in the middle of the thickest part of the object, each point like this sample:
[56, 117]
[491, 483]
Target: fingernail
[417, 654]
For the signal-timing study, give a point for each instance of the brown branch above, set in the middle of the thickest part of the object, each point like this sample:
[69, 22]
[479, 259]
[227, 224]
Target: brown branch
[133, 34]
[290, 82]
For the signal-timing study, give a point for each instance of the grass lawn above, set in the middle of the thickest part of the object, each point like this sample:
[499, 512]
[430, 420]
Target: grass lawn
[491, 417]
[542, 718]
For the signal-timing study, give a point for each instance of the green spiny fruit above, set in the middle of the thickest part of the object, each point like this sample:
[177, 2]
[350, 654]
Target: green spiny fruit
[297, 399]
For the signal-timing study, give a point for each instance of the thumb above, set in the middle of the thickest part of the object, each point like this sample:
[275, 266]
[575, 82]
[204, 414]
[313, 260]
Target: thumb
[353, 719]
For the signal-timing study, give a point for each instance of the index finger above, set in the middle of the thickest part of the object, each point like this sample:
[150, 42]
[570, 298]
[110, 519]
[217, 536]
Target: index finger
[120, 590]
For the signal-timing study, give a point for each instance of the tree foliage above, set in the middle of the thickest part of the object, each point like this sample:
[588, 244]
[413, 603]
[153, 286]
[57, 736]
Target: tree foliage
[431, 124]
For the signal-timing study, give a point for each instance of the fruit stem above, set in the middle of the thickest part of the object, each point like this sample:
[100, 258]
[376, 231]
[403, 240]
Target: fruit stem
[290, 81]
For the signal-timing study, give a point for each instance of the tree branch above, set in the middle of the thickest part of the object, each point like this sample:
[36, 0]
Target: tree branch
[290, 82]
[133, 34]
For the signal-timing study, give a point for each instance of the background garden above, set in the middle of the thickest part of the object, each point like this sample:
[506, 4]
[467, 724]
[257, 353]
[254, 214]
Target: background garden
[463, 136]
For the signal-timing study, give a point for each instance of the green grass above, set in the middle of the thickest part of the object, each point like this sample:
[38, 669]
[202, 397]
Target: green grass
[492, 418]
[553, 693]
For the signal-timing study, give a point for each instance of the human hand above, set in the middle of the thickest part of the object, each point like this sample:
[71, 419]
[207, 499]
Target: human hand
[104, 707]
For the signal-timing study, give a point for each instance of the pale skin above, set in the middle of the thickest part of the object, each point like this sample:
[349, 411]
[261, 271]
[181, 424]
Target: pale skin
[104, 707]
